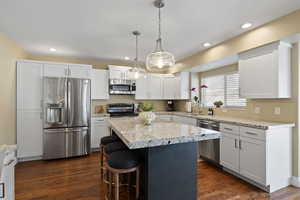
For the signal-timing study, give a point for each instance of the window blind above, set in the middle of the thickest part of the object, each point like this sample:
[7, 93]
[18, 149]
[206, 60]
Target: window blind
[232, 93]
[215, 90]
[223, 88]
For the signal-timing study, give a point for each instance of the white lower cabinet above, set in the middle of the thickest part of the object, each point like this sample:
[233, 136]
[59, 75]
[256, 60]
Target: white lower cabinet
[99, 129]
[229, 151]
[253, 159]
[262, 157]
[7, 177]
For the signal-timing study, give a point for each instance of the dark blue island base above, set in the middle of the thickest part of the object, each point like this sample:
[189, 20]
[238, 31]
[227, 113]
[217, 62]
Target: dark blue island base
[169, 172]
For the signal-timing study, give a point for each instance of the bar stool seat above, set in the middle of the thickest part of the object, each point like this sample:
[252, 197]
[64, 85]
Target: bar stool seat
[109, 139]
[122, 162]
[113, 147]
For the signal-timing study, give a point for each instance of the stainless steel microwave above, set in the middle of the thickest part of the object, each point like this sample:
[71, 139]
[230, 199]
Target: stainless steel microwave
[122, 87]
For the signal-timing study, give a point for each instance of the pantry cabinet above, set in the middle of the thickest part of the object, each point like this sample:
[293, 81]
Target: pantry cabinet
[265, 72]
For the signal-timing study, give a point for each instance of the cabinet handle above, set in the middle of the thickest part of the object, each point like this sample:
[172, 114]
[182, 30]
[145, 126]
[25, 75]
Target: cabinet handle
[240, 144]
[250, 133]
[235, 143]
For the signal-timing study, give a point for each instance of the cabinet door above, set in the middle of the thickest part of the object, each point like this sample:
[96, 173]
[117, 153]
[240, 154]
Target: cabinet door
[29, 134]
[264, 69]
[116, 74]
[99, 84]
[253, 159]
[183, 84]
[56, 70]
[169, 88]
[142, 90]
[29, 86]
[229, 151]
[80, 71]
[155, 87]
[99, 129]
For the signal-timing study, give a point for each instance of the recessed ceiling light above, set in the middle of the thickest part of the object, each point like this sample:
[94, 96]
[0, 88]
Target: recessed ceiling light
[246, 25]
[52, 49]
[126, 58]
[207, 44]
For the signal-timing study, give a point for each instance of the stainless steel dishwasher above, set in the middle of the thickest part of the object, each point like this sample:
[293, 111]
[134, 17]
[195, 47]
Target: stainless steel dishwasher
[209, 150]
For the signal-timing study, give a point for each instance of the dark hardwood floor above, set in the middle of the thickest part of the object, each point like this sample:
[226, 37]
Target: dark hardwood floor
[79, 178]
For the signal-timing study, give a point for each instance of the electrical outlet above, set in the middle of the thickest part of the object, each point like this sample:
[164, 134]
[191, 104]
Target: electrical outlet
[257, 110]
[277, 110]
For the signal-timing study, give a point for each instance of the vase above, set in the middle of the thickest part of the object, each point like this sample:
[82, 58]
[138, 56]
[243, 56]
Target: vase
[147, 117]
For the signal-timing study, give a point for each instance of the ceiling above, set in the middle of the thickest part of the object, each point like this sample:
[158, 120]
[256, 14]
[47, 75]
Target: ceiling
[101, 30]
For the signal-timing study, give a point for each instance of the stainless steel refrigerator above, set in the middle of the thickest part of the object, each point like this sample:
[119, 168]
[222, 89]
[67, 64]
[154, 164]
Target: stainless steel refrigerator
[66, 103]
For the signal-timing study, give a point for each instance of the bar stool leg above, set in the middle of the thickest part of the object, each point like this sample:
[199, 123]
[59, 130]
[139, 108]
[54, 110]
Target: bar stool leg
[101, 159]
[116, 186]
[137, 192]
[110, 178]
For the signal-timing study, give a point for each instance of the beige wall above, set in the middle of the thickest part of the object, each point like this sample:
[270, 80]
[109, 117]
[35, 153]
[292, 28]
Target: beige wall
[9, 52]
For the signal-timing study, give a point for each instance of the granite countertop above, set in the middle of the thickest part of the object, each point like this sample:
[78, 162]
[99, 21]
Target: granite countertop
[236, 121]
[136, 135]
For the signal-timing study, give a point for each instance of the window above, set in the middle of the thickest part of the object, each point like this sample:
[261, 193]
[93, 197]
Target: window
[223, 88]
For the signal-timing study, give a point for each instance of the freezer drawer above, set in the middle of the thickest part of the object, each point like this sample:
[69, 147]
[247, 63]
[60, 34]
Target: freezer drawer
[66, 142]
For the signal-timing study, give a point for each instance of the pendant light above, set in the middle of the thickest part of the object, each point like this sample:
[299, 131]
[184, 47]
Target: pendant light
[159, 60]
[137, 70]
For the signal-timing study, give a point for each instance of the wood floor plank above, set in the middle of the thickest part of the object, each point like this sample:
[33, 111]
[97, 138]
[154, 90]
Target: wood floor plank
[79, 179]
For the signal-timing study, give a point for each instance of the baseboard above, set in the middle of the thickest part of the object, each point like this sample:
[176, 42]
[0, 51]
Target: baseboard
[25, 159]
[295, 181]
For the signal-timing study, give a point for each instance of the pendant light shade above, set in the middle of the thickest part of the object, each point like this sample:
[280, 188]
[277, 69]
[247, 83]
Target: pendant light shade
[137, 70]
[159, 60]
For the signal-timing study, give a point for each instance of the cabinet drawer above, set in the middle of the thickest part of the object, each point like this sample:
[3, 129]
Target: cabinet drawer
[228, 128]
[253, 133]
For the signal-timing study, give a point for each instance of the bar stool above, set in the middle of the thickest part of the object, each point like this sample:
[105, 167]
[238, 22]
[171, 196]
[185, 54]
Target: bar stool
[108, 149]
[103, 142]
[122, 162]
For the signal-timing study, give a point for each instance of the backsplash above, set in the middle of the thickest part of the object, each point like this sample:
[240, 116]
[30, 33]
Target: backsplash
[159, 105]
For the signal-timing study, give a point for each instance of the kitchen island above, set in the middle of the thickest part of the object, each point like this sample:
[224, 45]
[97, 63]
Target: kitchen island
[168, 151]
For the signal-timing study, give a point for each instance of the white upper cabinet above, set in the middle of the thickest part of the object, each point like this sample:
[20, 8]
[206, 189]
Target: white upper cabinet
[62, 70]
[164, 86]
[80, 71]
[170, 87]
[56, 70]
[120, 72]
[265, 72]
[99, 84]
[142, 88]
[155, 86]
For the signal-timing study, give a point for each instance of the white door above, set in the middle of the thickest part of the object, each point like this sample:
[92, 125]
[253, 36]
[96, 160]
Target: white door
[263, 69]
[155, 87]
[169, 88]
[55, 70]
[99, 84]
[29, 86]
[29, 134]
[229, 151]
[80, 71]
[99, 129]
[253, 159]
[142, 90]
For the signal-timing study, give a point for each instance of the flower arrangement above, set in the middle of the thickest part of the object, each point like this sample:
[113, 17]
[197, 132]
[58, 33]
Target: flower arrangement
[147, 116]
[196, 98]
[146, 107]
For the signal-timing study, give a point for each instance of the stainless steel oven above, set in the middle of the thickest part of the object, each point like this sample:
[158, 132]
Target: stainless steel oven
[122, 87]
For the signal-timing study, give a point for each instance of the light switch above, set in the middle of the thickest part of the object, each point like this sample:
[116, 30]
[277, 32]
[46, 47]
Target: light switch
[277, 110]
[257, 110]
